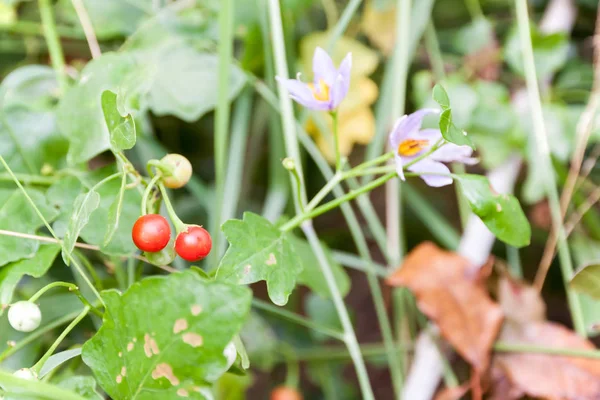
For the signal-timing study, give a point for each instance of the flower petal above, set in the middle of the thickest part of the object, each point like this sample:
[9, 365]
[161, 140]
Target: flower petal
[399, 167]
[451, 152]
[429, 165]
[302, 94]
[433, 135]
[412, 124]
[323, 67]
[396, 134]
[340, 88]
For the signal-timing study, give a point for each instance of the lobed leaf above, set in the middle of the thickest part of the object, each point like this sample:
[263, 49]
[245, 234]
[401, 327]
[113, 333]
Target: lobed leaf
[121, 129]
[259, 251]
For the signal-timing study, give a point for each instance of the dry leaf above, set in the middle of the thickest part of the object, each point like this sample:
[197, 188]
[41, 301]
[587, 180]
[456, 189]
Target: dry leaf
[549, 376]
[452, 393]
[450, 292]
[534, 374]
[521, 303]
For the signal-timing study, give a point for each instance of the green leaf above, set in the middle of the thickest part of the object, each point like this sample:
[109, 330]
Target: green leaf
[135, 355]
[109, 18]
[441, 97]
[501, 213]
[474, 36]
[17, 215]
[85, 386]
[114, 213]
[449, 131]
[18, 388]
[29, 134]
[121, 129]
[11, 274]
[96, 230]
[587, 280]
[259, 251]
[260, 341]
[311, 274]
[80, 115]
[550, 52]
[85, 204]
[232, 387]
[56, 360]
[185, 83]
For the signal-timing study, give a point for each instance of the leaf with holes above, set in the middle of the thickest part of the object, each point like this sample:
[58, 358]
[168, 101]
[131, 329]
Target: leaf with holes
[259, 251]
[18, 215]
[501, 213]
[135, 355]
[120, 129]
[11, 274]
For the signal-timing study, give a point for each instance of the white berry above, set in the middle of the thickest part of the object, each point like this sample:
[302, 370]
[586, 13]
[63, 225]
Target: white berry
[230, 354]
[24, 316]
[26, 373]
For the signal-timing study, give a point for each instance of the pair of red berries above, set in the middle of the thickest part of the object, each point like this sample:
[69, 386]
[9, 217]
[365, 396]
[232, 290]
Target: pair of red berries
[151, 233]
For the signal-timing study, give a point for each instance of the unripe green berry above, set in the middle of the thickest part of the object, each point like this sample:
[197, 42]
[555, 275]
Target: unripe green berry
[180, 171]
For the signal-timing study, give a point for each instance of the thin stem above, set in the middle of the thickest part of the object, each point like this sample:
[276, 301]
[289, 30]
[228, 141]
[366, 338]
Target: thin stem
[52, 40]
[555, 351]
[333, 182]
[349, 335]
[299, 219]
[38, 366]
[343, 22]
[336, 141]
[146, 195]
[335, 353]
[435, 54]
[130, 271]
[514, 261]
[298, 319]
[222, 114]
[179, 225]
[543, 150]
[31, 179]
[72, 288]
[88, 28]
[47, 224]
[351, 261]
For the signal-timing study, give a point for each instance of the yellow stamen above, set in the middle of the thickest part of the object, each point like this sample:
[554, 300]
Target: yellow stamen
[320, 92]
[410, 147]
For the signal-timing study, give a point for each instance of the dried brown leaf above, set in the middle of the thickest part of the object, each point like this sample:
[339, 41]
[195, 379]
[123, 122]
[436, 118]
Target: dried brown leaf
[452, 393]
[521, 303]
[450, 292]
[549, 376]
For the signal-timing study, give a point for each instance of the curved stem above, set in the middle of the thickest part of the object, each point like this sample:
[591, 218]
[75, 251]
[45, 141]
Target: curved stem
[38, 366]
[72, 288]
[336, 141]
[179, 225]
[146, 194]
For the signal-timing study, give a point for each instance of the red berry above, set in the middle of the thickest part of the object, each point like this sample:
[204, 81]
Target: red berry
[151, 233]
[193, 244]
[285, 393]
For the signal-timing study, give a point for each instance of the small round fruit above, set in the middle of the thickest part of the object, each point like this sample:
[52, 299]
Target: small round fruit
[181, 170]
[24, 316]
[193, 244]
[285, 393]
[151, 232]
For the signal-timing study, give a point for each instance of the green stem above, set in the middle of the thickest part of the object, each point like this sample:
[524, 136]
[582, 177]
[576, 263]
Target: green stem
[435, 54]
[299, 219]
[146, 195]
[131, 271]
[32, 337]
[339, 353]
[543, 150]
[336, 141]
[474, 9]
[34, 389]
[35, 28]
[342, 23]
[31, 179]
[298, 319]
[222, 114]
[514, 261]
[72, 288]
[179, 225]
[556, 351]
[352, 261]
[38, 366]
[47, 225]
[51, 35]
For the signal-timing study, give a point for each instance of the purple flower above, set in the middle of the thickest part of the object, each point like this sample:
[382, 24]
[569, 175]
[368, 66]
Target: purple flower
[409, 141]
[330, 85]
